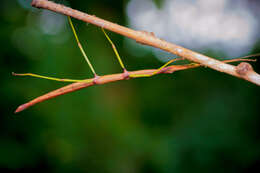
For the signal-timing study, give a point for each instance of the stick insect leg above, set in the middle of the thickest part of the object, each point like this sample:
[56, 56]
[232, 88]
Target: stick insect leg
[67, 80]
[158, 70]
[126, 74]
[81, 48]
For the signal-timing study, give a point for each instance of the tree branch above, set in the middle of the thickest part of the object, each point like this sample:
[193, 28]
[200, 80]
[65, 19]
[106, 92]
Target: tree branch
[150, 39]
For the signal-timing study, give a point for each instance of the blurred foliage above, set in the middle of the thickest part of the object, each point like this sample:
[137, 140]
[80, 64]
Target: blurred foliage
[191, 121]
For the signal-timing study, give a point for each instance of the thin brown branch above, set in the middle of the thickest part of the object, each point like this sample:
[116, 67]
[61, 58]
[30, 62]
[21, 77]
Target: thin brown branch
[150, 39]
[107, 79]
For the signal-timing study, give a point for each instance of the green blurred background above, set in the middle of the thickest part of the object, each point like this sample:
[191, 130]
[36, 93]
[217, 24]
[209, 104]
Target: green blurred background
[196, 120]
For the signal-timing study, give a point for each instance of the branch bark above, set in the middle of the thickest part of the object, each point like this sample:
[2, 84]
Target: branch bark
[148, 38]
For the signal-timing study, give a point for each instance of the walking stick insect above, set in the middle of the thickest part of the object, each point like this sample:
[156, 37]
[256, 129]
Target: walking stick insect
[78, 84]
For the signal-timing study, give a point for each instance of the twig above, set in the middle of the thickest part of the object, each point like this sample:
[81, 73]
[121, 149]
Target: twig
[148, 38]
[107, 79]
